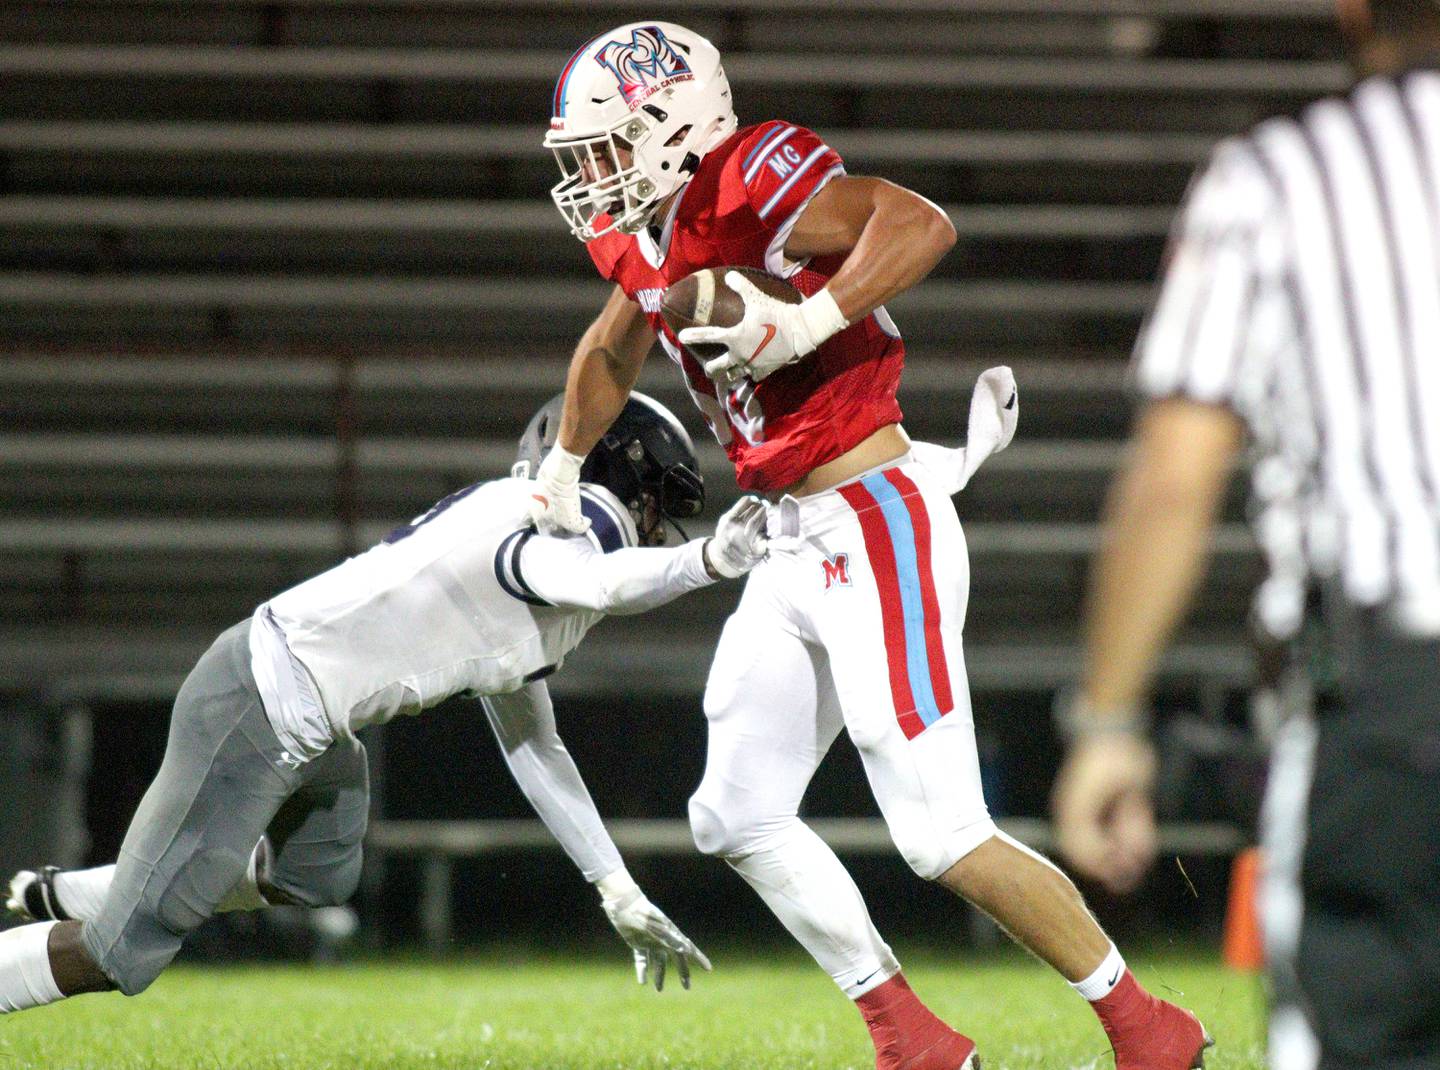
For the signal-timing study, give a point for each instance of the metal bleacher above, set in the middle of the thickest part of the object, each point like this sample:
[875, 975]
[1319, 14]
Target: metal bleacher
[309, 170]
[152, 528]
[233, 227]
[275, 274]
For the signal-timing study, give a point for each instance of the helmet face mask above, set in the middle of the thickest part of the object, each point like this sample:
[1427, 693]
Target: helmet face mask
[634, 111]
[682, 493]
[599, 176]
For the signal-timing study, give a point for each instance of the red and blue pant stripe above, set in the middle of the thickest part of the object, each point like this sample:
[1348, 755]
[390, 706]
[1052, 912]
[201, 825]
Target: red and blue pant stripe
[896, 529]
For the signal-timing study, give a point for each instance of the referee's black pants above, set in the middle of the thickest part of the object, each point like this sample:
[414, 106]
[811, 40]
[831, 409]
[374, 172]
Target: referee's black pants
[1363, 962]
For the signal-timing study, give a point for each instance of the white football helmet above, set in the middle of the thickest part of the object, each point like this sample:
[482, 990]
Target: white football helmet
[634, 111]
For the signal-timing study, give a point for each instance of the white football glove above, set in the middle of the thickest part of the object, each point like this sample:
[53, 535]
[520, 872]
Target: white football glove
[739, 543]
[555, 502]
[771, 335]
[994, 412]
[651, 935]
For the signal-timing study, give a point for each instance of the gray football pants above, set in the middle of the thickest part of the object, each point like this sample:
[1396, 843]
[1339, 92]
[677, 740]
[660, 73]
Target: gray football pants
[220, 788]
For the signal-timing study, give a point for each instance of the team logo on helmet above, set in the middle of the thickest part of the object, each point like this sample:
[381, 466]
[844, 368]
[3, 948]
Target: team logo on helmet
[645, 64]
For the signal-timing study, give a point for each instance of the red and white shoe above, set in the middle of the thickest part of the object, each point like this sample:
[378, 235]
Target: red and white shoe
[1148, 1033]
[908, 1035]
[953, 1051]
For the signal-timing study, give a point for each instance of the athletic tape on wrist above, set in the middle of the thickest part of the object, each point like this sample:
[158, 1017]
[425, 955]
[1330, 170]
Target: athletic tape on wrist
[562, 465]
[822, 318]
[616, 886]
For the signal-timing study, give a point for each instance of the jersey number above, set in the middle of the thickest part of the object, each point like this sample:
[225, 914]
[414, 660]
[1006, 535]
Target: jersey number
[743, 405]
[740, 409]
[406, 530]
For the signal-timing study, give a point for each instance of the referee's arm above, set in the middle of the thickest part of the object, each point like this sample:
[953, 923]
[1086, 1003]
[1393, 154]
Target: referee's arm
[1156, 534]
[1200, 360]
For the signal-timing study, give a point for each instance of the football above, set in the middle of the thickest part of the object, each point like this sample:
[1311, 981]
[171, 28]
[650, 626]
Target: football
[703, 300]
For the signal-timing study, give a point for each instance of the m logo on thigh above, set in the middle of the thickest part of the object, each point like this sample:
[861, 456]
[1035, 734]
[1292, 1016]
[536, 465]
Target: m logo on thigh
[837, 570]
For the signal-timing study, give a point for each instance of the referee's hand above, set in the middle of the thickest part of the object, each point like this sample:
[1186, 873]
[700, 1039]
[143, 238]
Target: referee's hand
[1104, 813]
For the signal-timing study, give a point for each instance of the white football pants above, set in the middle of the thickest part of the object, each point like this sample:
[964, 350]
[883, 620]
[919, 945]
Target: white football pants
[857, 621]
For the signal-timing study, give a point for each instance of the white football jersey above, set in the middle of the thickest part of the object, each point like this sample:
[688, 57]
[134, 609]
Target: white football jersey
[439, 608]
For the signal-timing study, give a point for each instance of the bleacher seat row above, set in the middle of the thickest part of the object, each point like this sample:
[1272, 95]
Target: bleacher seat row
[276, 274]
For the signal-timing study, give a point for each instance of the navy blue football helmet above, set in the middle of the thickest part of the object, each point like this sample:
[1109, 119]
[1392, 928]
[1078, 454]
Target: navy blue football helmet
[645, 459]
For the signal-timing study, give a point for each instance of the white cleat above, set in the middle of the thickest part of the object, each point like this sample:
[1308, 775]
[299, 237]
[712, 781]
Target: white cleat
[19, 885]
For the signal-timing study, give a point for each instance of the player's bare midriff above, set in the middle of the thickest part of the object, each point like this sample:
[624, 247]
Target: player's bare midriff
[890, 443]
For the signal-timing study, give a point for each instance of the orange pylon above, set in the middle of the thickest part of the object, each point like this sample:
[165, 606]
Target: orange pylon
[1244, 946]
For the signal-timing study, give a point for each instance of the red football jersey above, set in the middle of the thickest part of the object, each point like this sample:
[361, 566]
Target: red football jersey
[739, 210]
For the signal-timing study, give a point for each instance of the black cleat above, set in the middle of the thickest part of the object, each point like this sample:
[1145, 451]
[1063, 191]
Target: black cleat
[32, 895]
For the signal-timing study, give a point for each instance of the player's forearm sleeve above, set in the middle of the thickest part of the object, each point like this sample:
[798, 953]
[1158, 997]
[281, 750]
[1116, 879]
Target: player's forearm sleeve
[571, 572]
[524, 723]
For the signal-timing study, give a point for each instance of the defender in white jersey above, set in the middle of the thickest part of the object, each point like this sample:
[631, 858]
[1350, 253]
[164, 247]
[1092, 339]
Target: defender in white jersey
[262, 796]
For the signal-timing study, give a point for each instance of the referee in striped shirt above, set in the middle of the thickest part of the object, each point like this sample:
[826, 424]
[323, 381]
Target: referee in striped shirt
[1301, 310]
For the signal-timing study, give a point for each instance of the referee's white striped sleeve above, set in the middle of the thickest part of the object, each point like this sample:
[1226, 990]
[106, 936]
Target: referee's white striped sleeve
[1201, 341]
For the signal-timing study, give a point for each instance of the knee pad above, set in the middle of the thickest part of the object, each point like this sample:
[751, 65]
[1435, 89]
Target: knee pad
[725, 833]
[708, 828]
[719, 833]
[923, 854]
[344, 881]
[330, 886]
[193, 894]
[131, 982]
[931, 855]
[134, 963]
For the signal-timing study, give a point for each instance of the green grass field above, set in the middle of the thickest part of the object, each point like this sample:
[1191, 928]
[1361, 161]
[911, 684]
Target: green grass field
[559, 1014]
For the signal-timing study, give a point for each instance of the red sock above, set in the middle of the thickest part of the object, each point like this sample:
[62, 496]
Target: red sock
[1127, 1006]
[1148, 1033]
[899, 1023]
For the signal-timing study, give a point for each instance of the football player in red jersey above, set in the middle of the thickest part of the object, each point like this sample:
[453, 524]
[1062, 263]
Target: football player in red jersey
[855, 618]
